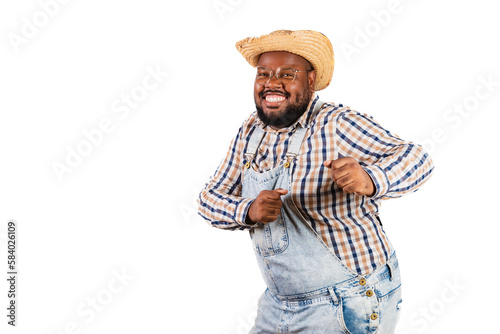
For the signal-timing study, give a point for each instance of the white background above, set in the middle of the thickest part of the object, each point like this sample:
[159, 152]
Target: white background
[128, 206]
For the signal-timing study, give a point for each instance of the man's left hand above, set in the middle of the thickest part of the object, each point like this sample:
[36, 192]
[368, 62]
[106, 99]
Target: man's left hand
[348, 174]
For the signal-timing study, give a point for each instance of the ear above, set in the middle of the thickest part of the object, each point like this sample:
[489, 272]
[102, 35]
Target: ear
[311, 80]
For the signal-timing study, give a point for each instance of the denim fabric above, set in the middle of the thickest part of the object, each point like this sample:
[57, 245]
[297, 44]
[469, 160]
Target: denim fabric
[309, 290]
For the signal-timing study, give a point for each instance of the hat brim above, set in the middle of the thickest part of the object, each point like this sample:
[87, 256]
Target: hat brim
[311, 45]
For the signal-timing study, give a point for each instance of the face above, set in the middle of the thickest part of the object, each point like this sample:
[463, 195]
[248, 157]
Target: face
[279, 105]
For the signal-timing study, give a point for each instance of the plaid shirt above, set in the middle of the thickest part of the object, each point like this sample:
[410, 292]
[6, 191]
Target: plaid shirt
[347, 223]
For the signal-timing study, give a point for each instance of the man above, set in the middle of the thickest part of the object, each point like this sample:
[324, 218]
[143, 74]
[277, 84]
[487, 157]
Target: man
[306, 178]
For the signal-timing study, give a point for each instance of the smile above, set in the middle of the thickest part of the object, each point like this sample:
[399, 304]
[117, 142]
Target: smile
[275, 98]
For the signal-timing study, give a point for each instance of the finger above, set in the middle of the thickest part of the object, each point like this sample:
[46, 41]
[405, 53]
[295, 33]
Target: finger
[271, 212]
[270, 217]
[269, 199]
[281, 191]
[344, 181]
[276, 194]
[267, 220]
[340, 162]
[327, 163]
[274, 205]
[274, 213]
[343, 171]
[350, 188]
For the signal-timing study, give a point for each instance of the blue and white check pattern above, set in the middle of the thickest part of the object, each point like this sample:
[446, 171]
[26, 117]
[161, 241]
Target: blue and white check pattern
[347, 223]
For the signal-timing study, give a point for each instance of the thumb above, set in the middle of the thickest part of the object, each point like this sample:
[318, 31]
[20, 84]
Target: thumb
[328, 163]
[281, 191]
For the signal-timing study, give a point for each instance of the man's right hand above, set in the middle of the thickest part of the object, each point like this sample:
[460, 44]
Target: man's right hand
[266, 207]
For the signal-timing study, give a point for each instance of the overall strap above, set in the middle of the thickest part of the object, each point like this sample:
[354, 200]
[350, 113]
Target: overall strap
[253, 144]
[300, 133]
[296, 142]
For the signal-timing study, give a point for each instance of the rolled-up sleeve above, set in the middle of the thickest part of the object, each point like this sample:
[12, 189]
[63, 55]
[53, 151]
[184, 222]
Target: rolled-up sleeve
[220, 202]
[396, 166]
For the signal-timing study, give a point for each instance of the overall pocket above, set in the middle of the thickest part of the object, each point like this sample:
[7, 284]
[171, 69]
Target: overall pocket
[271, 238]
[352, 315]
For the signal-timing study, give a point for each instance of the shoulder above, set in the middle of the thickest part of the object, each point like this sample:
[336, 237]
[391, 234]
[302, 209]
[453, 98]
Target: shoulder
[331, 111]
[341, 114]
[248, 126]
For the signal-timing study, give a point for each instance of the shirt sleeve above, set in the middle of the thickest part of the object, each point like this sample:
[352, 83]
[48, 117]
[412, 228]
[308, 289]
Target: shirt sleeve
[220, 202]
[397, 167]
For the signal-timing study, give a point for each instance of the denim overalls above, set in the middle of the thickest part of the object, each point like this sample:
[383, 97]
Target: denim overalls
[309, 290]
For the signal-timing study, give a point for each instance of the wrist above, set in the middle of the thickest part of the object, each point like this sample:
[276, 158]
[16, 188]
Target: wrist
[247, 221]
[379, 179]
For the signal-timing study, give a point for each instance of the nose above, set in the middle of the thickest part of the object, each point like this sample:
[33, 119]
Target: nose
[273, 81]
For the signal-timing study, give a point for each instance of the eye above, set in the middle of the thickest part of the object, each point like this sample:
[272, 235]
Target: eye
[262, 74]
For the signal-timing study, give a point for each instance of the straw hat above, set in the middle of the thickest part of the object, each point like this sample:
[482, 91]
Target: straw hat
[311, 45]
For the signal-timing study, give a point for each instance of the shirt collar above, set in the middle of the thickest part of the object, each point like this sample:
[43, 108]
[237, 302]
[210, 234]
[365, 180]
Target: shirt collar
[305, 119]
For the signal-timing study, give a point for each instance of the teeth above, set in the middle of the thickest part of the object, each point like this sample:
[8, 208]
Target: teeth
[274, 98]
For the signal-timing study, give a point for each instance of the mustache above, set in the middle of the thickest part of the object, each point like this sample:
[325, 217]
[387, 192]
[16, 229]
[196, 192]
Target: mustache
[284, 93]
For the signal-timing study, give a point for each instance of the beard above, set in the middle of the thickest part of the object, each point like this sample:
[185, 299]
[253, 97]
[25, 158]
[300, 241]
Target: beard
[291, 113]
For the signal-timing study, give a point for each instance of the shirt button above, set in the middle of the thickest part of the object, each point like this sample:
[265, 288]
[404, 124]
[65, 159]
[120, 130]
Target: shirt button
[247, 165]
[369, 293]
[374, 316]
[362, 281]
[287, 164]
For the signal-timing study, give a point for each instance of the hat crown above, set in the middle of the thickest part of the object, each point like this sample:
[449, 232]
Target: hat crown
[281, 32]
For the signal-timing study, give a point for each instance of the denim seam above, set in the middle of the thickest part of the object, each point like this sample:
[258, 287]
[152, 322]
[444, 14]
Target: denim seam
[340, 317]
[329, 251]
[270, 274]
[283, 248]
[388, 294]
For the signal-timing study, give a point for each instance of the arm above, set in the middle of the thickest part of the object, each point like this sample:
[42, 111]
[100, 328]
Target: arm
[396, 167]
[220, 202]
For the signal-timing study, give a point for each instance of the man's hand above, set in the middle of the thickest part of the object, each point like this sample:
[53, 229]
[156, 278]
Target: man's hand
[348, 174]
[266, 207]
